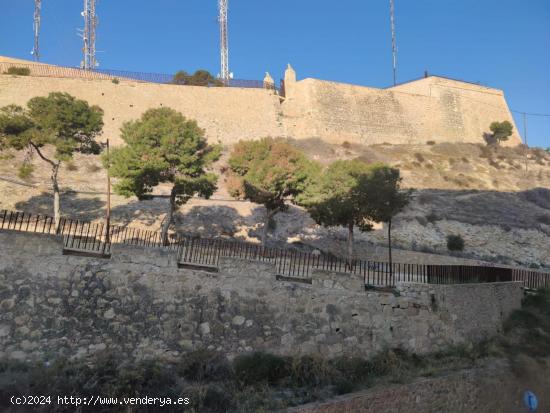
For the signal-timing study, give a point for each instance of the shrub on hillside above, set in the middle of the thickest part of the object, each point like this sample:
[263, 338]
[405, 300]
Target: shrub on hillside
[19, 71]
[259, 367]
[432, 217]
[25, 171]
[115, 81]
[430, 143]
[419, 157]
[455, 243]
[544, 219]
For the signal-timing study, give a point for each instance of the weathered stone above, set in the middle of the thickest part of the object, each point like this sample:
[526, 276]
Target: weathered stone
[238, 320]
[109, 314]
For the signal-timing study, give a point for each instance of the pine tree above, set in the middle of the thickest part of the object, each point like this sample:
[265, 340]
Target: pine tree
[269, 172]
[59, 121]
[164, 147]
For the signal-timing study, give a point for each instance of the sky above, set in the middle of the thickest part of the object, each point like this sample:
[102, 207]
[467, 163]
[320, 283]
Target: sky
[499, 43]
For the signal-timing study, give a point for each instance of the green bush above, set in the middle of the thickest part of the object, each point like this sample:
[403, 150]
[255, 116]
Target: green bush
[455, 243]
[115, 81]
[204, 365]
[25, 171]
[259, 367]
[19, 71]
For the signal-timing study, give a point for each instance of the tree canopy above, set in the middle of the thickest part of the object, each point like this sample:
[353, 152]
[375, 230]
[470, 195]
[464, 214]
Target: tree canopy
[270, 172]
[501, 131]
[335, 199]
[199, 78]
[164, 147]
[351, 193]
[68, 124]
[60, 121]
[385, 197]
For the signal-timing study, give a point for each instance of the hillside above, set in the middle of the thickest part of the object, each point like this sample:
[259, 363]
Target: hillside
[486, 195]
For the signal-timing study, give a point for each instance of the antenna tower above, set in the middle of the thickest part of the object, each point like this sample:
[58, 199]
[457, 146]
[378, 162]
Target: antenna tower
[224, 49]
[36, 25]
[393, 41]
[89, 35]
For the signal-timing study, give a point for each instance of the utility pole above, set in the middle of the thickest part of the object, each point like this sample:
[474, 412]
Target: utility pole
[525, 139]
[89, 35]
[36, 26]
[224, 48]
[393, 41]
[108, 214]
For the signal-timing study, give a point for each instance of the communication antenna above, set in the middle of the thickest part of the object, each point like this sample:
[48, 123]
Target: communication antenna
[224, 49]
[36, 25]
[89, 35]
[393, 41]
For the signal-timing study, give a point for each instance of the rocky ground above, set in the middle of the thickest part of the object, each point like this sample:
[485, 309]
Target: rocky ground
[497, 199]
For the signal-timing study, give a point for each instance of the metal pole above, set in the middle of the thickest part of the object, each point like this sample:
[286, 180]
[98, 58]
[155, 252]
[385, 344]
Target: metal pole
[525, 139]
[393, 41]
[108, 215]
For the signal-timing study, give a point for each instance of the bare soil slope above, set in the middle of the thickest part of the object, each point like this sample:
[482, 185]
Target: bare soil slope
[497, 199]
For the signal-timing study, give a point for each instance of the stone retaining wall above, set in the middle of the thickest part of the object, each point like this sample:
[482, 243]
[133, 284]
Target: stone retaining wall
[139, 303]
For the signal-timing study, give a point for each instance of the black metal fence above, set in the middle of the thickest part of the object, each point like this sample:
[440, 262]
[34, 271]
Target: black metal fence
[378, 273]
[43, 70]
[88, 237]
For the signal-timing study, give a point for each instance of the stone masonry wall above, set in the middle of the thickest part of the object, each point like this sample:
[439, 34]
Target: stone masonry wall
[429, 109]
[139, 303]
[434, 108]
[226, 114]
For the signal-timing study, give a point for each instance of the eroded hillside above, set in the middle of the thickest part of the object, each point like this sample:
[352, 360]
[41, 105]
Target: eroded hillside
[497, 199]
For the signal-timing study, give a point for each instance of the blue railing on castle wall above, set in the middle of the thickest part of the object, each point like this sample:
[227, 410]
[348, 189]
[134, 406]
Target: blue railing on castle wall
[43, 70]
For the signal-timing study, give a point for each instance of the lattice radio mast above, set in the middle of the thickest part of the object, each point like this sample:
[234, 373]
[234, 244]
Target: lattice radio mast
[393, 41]
[89, 35]
[224, 48]
[36, 25]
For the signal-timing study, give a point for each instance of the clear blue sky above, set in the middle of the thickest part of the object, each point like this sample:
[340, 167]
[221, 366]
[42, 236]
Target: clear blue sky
[501, 43]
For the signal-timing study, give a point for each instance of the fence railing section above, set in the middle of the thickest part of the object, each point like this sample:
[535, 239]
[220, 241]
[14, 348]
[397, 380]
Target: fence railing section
[43, 70]
[86, 236]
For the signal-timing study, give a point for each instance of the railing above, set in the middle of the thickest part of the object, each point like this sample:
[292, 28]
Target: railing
[379, 273]
[43, 70]
[88, 237]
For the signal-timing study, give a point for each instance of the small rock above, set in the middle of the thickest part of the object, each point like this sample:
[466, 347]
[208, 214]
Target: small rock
[238, 320]
[204, 328]
[109, 314]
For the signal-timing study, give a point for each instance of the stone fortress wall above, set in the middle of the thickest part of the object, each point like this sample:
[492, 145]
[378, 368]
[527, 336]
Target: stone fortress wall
[433, 108]
[139, 303]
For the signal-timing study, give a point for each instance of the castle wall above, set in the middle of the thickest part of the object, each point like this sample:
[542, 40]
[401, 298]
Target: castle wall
[140, 304]
[226, 114]
[429, 109]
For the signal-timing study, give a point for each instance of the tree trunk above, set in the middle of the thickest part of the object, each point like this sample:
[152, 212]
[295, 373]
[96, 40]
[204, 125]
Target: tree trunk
[350, 245]
[169, 218]
[389, 248]
[56, 198]
[265, 230]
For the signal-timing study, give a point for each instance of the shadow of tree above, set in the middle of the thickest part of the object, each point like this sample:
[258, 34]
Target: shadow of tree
[72, 206]
[209, 221]
[476, 207]
[146, 211]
